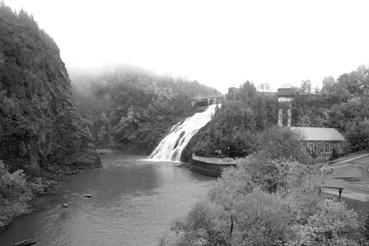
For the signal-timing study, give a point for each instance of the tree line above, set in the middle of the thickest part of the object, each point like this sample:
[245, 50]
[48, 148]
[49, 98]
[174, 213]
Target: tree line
[132, 109]
[247, 113]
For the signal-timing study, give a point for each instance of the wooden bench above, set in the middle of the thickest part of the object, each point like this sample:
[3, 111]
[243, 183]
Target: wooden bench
[340, 190]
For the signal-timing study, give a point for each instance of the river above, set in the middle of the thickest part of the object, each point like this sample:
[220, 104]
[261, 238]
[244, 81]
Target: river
[134, 202]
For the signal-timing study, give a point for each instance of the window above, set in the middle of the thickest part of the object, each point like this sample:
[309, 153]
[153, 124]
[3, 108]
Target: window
[327, 147]
[317, 146]
[311, 146]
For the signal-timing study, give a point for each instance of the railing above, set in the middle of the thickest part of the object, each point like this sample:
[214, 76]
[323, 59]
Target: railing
[340, 190]
[205, 101]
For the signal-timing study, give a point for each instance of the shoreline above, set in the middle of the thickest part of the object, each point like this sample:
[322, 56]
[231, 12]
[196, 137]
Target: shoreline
[28, 206]
[48, 186]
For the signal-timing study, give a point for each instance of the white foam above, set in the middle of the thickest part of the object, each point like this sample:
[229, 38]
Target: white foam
[172, 145]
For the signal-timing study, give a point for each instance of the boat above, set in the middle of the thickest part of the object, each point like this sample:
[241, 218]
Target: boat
[210, 166]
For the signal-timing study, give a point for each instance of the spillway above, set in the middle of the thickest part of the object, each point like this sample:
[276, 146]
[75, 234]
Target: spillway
[172, 145]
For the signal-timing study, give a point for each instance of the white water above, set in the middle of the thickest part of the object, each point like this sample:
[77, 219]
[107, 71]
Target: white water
[171, 147]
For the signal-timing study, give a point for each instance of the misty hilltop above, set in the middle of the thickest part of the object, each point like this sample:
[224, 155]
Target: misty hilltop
[131, 108]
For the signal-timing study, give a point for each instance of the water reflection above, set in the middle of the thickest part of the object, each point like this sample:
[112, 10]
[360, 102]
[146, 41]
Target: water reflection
[134, 202]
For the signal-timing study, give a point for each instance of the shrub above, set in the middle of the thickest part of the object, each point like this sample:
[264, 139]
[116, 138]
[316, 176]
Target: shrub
[331, 224]
[283, 144]
[241, 210]
[15, 192]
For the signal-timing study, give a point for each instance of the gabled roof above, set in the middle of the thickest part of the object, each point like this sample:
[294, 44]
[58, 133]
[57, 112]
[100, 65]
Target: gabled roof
[319, 134]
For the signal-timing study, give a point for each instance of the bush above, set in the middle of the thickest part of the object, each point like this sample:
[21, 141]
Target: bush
[331, 224]
[283, 144]
[15, 192]
[358, 136]
[241, 210]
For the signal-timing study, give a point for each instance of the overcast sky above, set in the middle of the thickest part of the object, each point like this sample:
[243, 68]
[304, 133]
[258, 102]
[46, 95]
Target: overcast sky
[219, 43]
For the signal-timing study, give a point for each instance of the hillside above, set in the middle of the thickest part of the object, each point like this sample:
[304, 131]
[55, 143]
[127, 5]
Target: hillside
[133, 109]
[342, 104]
[40, 129]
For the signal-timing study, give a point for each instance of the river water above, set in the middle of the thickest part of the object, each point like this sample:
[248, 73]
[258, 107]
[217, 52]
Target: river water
[134, 202]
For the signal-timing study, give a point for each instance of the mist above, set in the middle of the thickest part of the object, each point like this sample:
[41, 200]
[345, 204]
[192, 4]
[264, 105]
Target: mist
[218, 43]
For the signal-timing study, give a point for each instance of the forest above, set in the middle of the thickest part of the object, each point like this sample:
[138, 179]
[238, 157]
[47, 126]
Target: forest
[242, 119]
[132, 109]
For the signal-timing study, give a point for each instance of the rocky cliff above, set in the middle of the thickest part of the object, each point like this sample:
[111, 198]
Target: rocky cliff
[40, 129]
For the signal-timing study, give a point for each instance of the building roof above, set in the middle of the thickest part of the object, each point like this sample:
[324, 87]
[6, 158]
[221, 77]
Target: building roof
[286, 92]
[286, 86]
[319, 134]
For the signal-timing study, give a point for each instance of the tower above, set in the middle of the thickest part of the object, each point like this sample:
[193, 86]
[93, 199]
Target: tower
[286, 94]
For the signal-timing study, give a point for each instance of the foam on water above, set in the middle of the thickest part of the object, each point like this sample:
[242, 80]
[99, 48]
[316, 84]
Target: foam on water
[171, 147]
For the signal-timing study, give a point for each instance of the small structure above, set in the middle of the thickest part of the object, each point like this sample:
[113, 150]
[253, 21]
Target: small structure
[210, 166]
[321, 142]
[286, 94]
[206, 101]
[232, 92]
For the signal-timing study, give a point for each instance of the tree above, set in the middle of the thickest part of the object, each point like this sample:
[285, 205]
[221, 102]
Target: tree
[358, 136]
[282, 144]
[263, 87]
[231, 131]
[305, 87]
[355, 83]
[331, 224]
[328, 85]
[247, 92]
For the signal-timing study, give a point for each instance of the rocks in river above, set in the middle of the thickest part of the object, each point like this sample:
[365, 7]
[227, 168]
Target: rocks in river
[26, 242]
[87, 195]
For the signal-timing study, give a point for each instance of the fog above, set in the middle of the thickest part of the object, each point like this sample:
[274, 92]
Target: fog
[218, 43]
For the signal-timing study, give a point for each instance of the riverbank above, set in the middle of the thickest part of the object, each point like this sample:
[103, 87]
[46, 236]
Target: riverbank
[20, 200]
[19, 193]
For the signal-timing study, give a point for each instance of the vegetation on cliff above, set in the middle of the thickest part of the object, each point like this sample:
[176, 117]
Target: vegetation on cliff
[16, 191]
[341, 103]
[239, 124]
[40, 129]
[236, 126]
[41, 132]
[132, 109]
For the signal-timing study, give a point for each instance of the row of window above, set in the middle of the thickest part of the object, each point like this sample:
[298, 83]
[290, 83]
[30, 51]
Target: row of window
[322, 147]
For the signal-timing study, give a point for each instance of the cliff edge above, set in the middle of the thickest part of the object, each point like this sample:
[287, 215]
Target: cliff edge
[40, 129]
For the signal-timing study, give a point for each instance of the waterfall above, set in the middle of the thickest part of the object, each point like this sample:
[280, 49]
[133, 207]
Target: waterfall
[171, 147]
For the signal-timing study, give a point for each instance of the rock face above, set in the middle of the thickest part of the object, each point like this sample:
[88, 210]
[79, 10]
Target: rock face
[40, 129]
